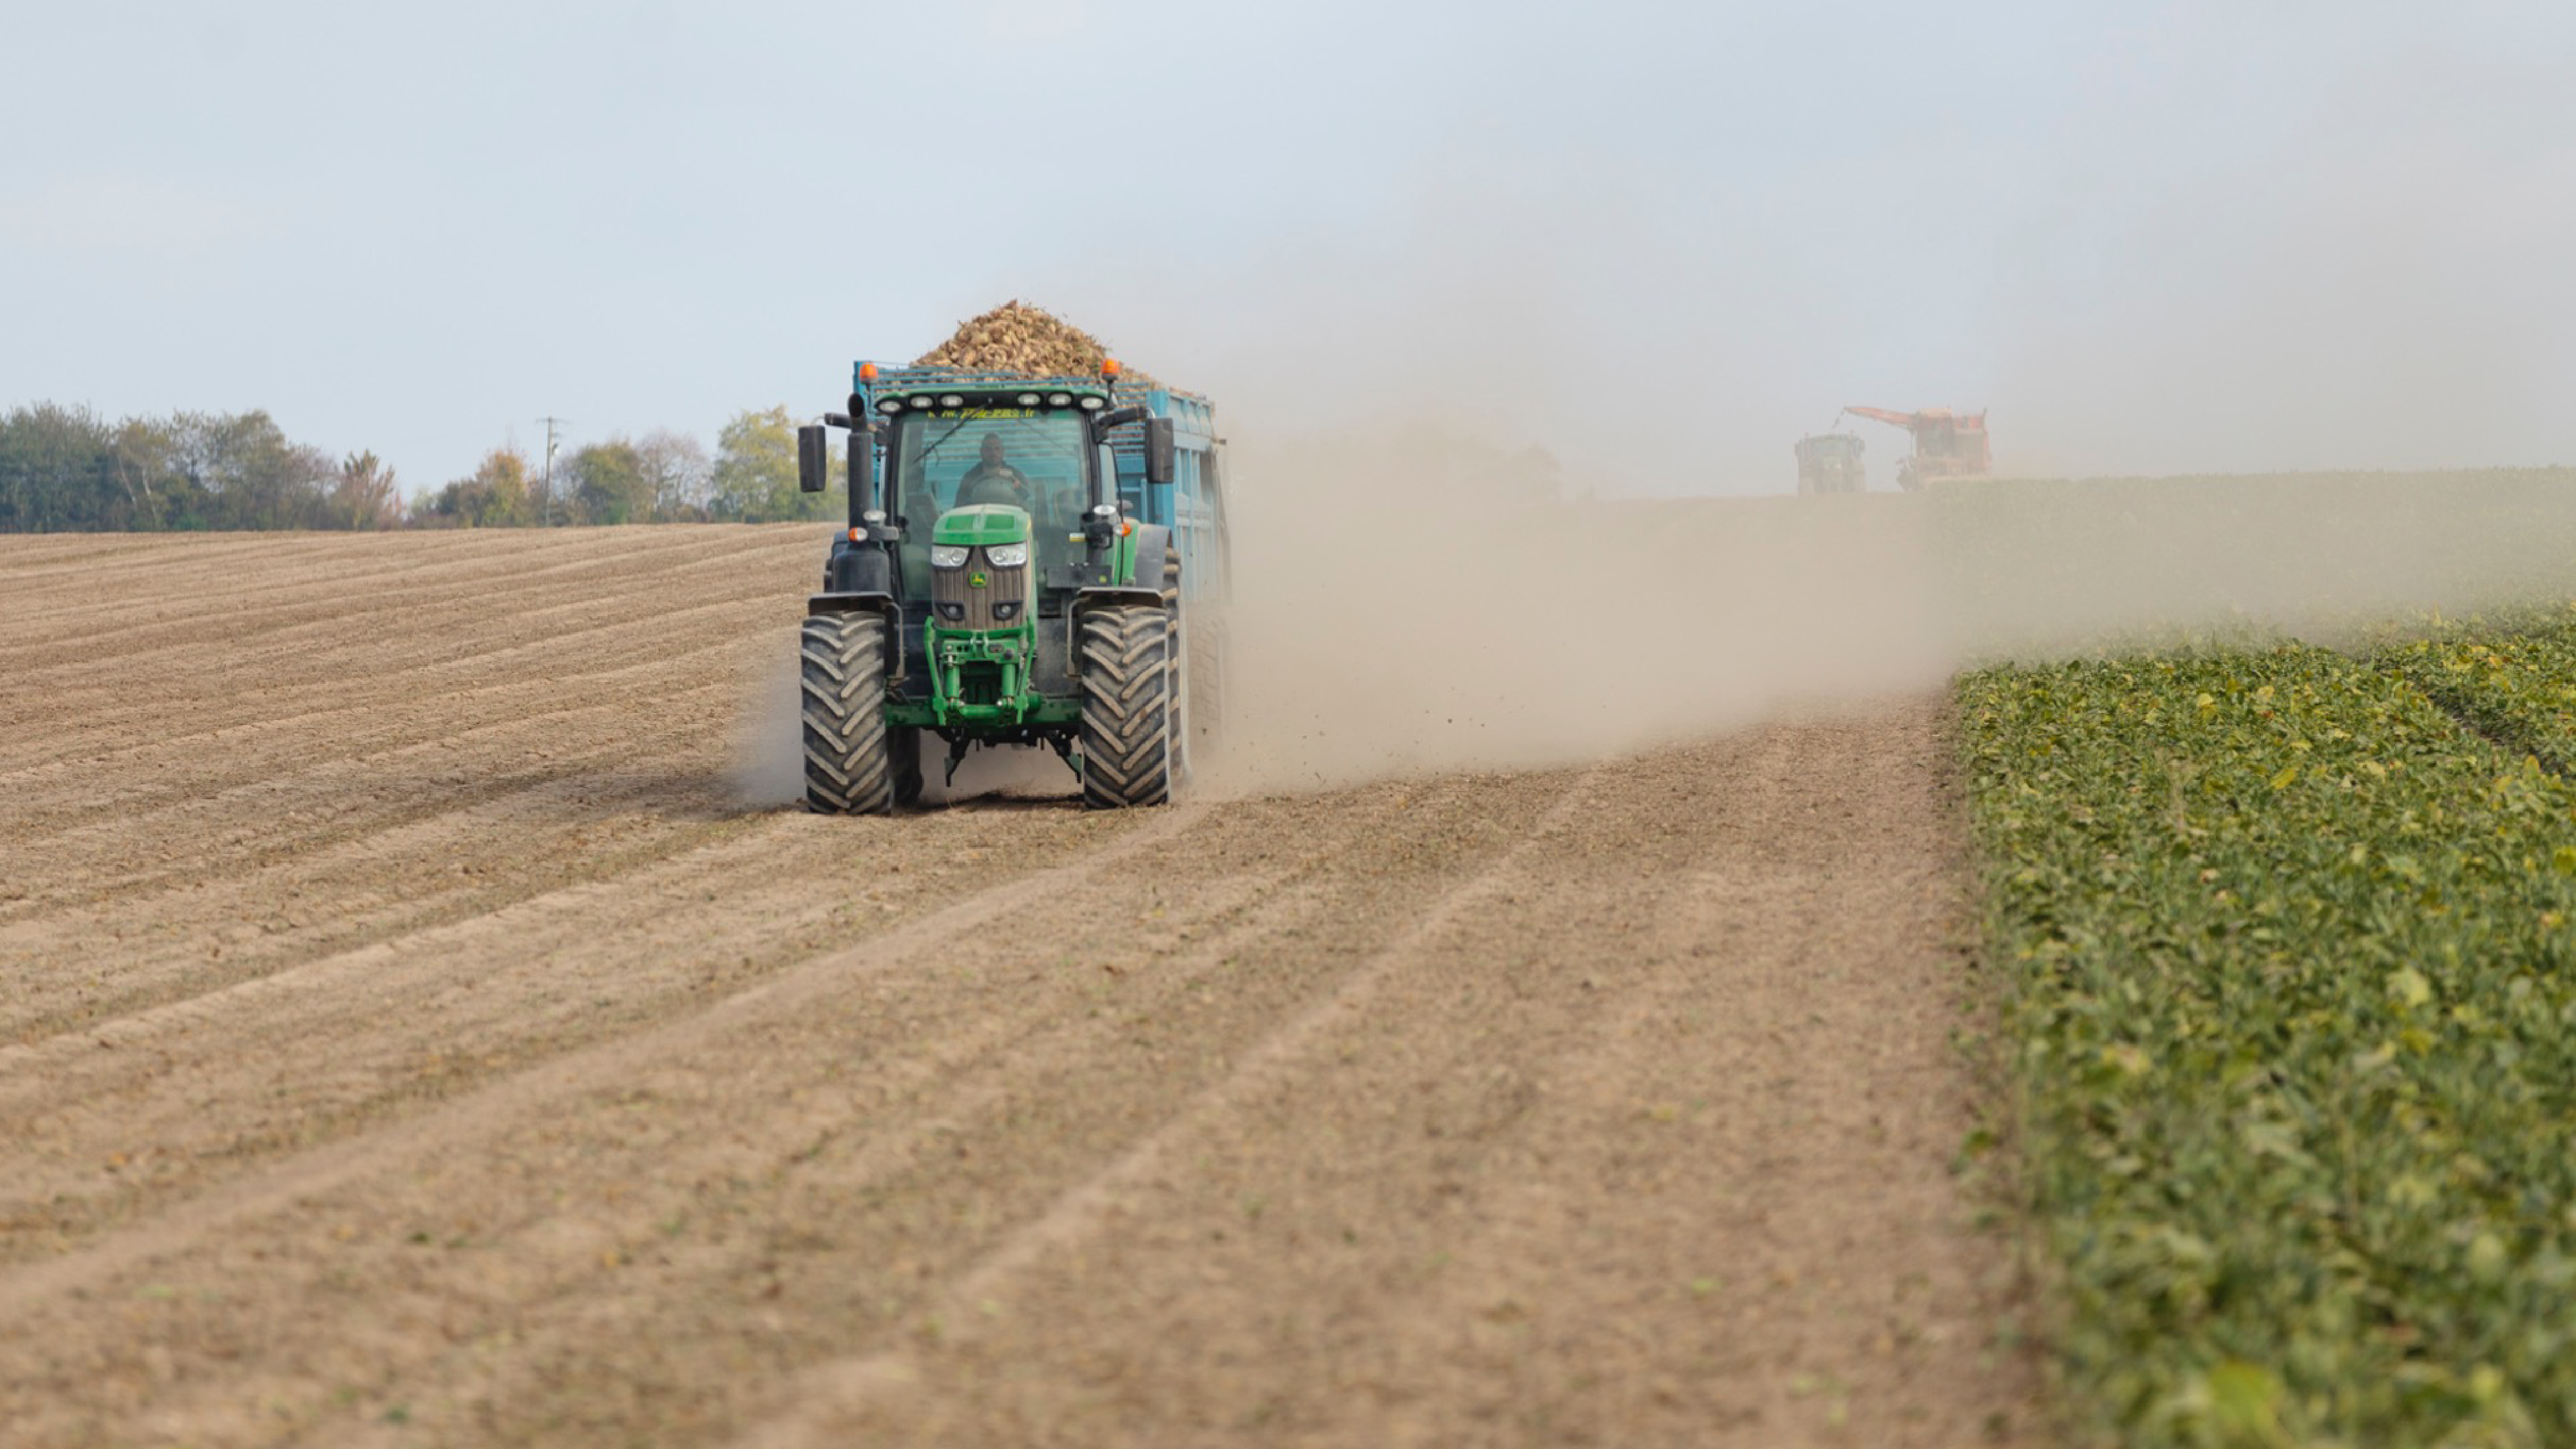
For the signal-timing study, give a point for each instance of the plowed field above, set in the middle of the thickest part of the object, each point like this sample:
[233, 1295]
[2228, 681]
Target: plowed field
[412, 1033]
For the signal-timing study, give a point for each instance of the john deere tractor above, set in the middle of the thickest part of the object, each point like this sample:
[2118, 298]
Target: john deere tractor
[1028, 562]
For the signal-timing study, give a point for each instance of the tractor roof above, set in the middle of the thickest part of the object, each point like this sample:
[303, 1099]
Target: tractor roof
[985, 388]
[908, 380]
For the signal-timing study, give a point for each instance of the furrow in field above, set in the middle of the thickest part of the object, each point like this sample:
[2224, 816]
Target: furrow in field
[227, 601]
[112, 781]
[363, 576]
[60, 604]
[173, 933]
[285, 817]
[156, 1105]
[1050, 1048]
[326, 661]
[1647, 1146]
[412, 1039]
[173, 643]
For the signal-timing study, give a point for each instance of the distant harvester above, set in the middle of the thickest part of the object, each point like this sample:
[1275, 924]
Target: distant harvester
[1946, 444]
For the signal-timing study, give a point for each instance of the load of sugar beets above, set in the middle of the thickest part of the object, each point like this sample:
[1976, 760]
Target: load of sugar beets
[1035, 558]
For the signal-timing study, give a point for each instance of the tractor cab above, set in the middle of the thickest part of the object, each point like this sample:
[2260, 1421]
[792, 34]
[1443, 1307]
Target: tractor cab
[1038, 461]
[1013, 575]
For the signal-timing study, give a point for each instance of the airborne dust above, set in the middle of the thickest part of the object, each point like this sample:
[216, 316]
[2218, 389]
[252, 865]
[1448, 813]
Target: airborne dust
[1510, 478]
[1514, 474]
[1422, 610]
[1435, 594]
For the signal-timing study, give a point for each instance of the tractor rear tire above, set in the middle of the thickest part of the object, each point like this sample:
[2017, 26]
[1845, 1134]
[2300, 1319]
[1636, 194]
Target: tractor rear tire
[849, 760]
[1128, 674]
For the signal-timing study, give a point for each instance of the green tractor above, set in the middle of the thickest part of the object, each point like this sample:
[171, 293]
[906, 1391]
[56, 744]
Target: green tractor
[1028, 562]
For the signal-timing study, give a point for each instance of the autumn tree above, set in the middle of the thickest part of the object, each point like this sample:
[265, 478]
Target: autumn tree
[365, 495]
[252, 474]
[65, 468]
[755, 473]
[496, 495]
[149, 493]
[55, 471]
[677, 474]
[609, 484]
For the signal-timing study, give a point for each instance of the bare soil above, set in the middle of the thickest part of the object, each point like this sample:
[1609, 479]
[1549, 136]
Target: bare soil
[410, 1036]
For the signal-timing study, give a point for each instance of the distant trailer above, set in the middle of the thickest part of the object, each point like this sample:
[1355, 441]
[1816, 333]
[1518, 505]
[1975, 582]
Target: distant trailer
[1830, 463]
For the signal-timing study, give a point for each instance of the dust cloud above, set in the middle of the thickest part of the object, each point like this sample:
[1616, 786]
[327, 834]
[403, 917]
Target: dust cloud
[1420, 602]
[2036, 568]
[768, 751]
[1510, 470]
[1395, 617]
[1512, 479]
[1421, 599]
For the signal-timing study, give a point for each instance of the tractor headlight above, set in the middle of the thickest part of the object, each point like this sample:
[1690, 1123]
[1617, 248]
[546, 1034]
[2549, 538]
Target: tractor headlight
[1007, 555]
[948, 556]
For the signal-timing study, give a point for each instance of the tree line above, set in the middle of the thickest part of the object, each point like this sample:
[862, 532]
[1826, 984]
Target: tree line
[65, 469]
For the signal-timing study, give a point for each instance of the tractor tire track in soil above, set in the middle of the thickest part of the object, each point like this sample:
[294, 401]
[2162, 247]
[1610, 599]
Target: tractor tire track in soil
[408, 1036]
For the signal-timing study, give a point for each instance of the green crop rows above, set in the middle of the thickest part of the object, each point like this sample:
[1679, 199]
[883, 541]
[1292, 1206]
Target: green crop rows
[2513, 679]
[2293, 1028]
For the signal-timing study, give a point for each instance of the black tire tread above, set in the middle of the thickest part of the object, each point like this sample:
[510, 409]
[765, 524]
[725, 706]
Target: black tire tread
[1126, 662]
[849, 768]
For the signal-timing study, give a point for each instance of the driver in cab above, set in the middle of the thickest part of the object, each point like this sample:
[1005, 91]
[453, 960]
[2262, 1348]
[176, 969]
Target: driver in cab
[993, 480]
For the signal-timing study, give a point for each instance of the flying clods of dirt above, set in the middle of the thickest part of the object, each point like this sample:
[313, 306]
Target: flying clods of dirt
[1018, 338]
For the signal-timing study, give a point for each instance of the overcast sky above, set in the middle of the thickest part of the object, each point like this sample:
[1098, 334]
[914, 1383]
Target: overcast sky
[1664, 240]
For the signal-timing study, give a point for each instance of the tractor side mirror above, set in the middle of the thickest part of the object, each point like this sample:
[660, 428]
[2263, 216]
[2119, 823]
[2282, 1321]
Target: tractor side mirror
[1158, 450]
[813, 458]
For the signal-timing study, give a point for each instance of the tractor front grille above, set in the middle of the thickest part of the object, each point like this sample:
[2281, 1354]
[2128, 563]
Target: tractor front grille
[997, 605]
[979, 683]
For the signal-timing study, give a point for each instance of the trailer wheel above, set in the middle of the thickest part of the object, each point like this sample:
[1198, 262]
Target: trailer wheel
[849, 762]
[1127, 699]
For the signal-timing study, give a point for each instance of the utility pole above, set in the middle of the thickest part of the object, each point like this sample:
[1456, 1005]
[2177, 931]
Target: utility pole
[551, 425]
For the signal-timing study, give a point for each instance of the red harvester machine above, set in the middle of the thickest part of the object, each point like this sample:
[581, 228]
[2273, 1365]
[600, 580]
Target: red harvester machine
[1946, 444]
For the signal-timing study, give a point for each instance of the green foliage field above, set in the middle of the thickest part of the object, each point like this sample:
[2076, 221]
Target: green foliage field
[2511, 677]
[2293, 1028]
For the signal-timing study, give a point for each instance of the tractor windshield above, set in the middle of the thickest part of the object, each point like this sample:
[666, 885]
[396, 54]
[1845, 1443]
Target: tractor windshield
[944, 458]
[952, 457]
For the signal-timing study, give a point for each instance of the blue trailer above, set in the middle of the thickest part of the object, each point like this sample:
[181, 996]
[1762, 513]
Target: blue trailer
[1028, 561]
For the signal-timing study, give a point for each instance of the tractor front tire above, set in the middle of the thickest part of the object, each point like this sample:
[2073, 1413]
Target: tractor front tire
[849, 760]
[1128, 674]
